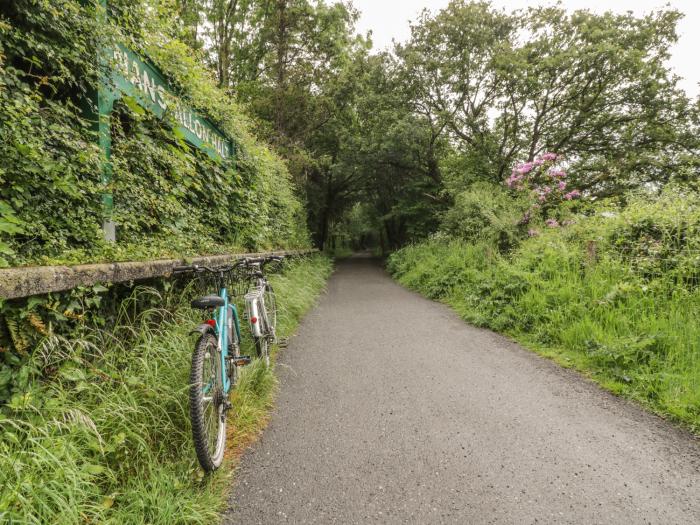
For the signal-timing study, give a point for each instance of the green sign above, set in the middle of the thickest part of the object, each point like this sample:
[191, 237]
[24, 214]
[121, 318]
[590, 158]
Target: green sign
[139, 79]
[142, 81]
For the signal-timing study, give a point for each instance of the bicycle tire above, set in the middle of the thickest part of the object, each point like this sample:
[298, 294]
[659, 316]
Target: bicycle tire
[208, 427]
[262, 344]
[271, 310]
[262, 349]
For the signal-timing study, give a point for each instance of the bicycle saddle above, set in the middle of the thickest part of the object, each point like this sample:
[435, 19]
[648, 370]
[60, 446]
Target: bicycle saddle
[208, 301]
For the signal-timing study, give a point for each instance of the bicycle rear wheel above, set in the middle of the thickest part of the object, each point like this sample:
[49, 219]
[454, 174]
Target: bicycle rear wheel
[262, 349]
[207, 403]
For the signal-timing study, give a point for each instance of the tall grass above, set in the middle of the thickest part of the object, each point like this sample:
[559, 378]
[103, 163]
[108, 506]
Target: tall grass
[617, 297]
[104, 436]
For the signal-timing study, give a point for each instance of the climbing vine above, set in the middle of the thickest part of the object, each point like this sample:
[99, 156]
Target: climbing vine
[169, 198]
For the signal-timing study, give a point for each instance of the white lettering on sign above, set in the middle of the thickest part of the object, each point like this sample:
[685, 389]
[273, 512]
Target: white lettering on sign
[160, 99]
[137, 75]
[148, 86]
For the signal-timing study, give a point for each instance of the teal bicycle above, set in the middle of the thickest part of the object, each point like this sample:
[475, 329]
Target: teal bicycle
[217, 358]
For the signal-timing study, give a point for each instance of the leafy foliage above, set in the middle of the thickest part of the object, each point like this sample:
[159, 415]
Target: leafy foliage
[486, 212]
[474, 89]
[298, 65]
[592, 87]
[477, 89]
[169, 198]
[50, 196]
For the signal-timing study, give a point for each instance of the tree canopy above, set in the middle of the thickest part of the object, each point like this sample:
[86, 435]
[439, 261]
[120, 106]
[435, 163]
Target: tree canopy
[393, 138]
[473, 91]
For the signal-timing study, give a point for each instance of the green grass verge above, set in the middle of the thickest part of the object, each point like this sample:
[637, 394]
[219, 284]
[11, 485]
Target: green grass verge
[635, 330]
[104, 436]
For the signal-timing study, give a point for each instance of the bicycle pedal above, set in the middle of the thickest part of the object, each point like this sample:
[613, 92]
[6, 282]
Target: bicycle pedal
[241, 360]
[283, 343]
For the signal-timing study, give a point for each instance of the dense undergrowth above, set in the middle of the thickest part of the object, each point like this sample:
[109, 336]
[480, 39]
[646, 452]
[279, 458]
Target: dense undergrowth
[99, 431]
[616, 294]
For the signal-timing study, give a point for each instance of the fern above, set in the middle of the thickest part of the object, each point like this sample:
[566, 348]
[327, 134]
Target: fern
[19, 338]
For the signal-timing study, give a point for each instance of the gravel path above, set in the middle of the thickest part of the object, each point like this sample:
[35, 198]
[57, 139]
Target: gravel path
[393, 410]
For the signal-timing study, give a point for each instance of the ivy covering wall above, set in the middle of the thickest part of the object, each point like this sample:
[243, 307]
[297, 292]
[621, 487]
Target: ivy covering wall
[170, 199]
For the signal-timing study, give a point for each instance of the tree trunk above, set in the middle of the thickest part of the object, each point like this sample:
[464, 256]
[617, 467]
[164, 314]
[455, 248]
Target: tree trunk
[224, 23]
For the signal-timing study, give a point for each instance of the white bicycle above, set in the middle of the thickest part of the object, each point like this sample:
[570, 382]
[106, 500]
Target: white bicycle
[261, 307]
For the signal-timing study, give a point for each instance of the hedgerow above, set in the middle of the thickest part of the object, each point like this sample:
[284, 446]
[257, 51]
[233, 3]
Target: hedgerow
[93, 381]
[170, 199]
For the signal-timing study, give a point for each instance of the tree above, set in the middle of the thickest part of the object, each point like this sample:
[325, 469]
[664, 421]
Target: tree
[592, 87]
[474, 91]
[398, 151]
[188, 11]
[451, 67]
[596, 89]
[290, 61]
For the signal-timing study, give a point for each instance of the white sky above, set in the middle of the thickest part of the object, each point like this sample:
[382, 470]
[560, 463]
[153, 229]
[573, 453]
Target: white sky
[388, 19]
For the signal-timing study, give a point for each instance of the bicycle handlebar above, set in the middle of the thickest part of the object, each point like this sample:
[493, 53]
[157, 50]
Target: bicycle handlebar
[247, 261]
[263, 260]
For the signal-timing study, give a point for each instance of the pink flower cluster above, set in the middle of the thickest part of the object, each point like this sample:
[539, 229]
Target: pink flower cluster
[543, 179]
[518, 176]
[546, 183]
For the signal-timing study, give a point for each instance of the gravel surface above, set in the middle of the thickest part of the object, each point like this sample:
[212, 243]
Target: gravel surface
[393, 410]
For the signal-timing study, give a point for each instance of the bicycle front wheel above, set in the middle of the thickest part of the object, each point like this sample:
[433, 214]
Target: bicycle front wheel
[271, 312]
[207, 403]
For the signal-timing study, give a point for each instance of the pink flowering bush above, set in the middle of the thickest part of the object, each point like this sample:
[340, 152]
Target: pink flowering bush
[546, 185]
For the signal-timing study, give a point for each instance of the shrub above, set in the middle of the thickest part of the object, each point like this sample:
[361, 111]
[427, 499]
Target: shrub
[170, 199]
[485, 212]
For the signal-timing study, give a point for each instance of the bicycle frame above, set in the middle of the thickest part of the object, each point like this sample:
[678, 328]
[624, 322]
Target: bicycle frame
[223, 336]
[255, 306]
